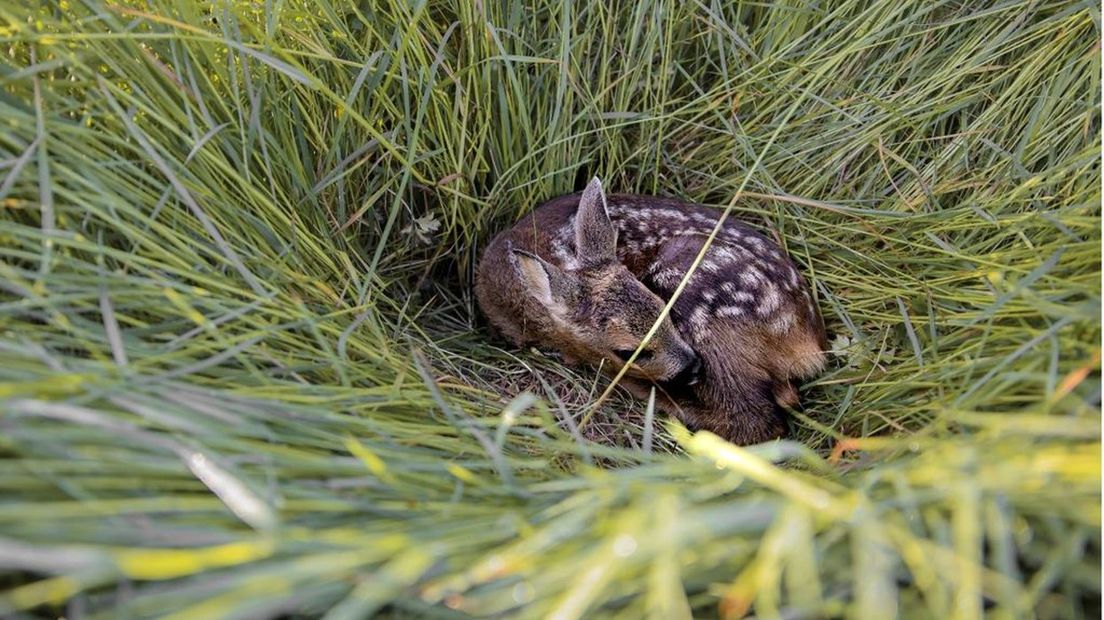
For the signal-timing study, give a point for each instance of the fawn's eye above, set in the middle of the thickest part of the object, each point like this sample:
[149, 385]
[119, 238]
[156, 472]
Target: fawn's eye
[625, 354]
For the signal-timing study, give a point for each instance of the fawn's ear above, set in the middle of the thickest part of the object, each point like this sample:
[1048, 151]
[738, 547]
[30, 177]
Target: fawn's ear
[595, 237]
[549, 284]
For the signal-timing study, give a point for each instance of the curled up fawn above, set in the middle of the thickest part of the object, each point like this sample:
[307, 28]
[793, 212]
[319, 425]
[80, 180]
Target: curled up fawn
[588, 275]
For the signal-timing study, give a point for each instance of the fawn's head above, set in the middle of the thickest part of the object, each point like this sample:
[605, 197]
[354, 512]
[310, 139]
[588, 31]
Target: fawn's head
[600, 308]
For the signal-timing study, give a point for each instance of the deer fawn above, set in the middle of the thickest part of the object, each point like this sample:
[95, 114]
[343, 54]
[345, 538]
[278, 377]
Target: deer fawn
[589, 275]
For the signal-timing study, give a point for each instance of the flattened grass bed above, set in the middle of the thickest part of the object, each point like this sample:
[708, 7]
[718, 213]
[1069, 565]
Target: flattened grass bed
[241, 373]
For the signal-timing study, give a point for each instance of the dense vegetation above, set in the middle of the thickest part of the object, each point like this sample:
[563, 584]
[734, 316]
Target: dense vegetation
[241, 373]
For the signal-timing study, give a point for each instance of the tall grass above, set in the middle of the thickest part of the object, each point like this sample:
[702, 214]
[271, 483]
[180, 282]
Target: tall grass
[241, 373]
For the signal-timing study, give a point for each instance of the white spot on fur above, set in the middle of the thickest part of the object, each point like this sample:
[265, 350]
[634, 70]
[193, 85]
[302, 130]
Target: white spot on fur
[667, 214]
[667, 277]
[769, 300]
[699, 318]
[782, 323]
[730, 311]
[752, 277]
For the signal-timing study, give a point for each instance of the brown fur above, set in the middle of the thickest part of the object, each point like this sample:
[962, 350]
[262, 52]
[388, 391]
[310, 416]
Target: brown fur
[587, 275]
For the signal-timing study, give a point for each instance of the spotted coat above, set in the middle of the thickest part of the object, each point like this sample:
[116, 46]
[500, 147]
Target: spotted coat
[743, 275]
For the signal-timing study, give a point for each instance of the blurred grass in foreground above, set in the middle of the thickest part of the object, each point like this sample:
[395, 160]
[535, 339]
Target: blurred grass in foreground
[241, 374]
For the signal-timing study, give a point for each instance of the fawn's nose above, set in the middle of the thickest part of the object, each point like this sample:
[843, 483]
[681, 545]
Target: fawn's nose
[695, 370]
[691, 370]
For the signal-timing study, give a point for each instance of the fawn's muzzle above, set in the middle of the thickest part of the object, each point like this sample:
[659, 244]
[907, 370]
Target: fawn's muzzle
[695, 371]
[690, 374]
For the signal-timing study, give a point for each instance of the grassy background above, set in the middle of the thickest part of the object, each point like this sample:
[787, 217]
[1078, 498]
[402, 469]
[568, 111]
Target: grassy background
[241, 373]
